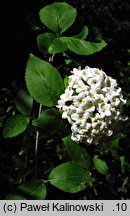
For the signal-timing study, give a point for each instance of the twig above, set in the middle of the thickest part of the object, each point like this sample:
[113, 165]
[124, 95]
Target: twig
[37, 133]
[36, 144]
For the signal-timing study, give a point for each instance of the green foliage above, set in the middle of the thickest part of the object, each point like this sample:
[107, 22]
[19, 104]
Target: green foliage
[58, 45]
[31, 190]
[100, 165]
[62, 16]
[45, 85]
[43, 81]
[70, 177]
[24, 102]
[15, 125]
[83, 47]
[47, 121]
[45, 41]
[122, 160]
[77, 153]
[66, 82]
[78, 46]
[117, 139]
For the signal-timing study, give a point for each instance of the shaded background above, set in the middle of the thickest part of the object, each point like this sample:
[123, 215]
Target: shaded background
[108, 20]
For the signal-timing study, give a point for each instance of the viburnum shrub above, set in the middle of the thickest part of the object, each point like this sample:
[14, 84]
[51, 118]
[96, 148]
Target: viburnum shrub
[91, 101]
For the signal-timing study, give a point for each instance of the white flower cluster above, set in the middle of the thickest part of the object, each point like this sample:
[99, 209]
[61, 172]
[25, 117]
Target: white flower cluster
[92, 104]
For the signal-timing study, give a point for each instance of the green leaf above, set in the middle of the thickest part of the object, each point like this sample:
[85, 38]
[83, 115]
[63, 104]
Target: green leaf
[83, 34]
[66, 80]
[43, 81]
[24, 102]
[58, 16]
[68, 61]
[44, 41]
[57, 46]
[15, 125]
[117, 139]
[47, 122]
[70, 177]
[122, 160]
[100, 165]
[77, 153]
[31, 190]
[61, 44]
[83, 47]
[48, 43]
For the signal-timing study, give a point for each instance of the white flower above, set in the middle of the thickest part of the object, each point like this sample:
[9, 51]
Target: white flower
[79, 110]
[64, 115]
[95, 82]
[67, 95]
[88, 105]
[105, 109]
[92, 104]
[74, 116]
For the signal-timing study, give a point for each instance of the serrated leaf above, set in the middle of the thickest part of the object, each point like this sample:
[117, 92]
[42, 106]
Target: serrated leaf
[83, 34]
[83, 47]
[15, 125]
[77, 153]
[44, 41]
[24, 102]
[31, 190]
[100, 165]
[58, 16]
[43, 81]
[70, 177]
[47, 122]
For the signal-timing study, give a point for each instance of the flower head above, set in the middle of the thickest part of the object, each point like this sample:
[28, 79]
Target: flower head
[92, 104]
